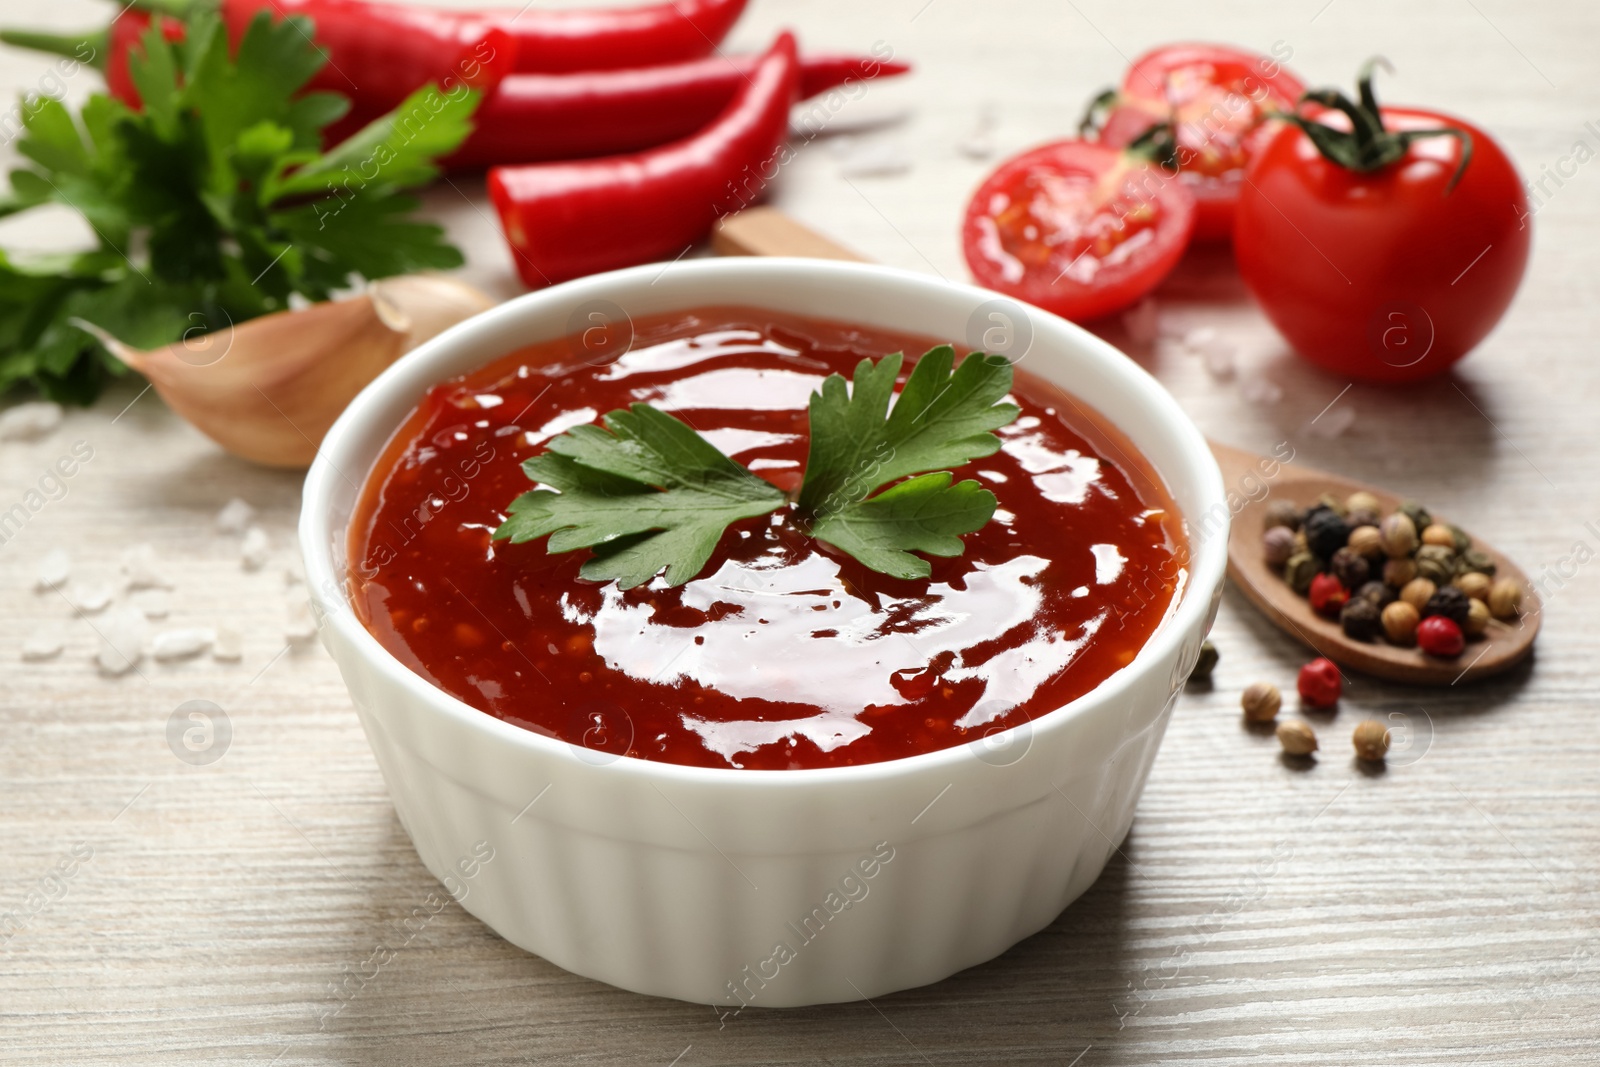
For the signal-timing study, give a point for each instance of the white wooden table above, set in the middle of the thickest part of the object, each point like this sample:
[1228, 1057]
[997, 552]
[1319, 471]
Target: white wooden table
[1441, 911]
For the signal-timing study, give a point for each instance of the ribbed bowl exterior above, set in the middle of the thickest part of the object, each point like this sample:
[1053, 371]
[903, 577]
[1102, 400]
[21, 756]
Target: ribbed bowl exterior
[767, 888]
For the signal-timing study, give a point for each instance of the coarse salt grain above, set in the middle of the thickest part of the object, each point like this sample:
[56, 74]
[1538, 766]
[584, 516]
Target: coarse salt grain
[876, 159]
[42, 647]
[122, 637]
[228, 646]
[54, 570]
[1331, 424]
[235, 516]
[92, 597]
[1260, 390]
[141, 569]
[182, 643]
[155, 603]
[1142, 322]
[30, 421]
[255, 549]
[302, 624]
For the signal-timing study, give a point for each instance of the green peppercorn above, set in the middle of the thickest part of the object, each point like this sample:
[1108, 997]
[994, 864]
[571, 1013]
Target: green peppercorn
[1360, 619]
[1282, 513]
[1326, 532]
[1419, 515]
[1301, 568]
[1450, 602]
[1436, 563]
[1476, 561]
[1462, 540]
[1350, 567]
[1205, 663]
[1332, 503]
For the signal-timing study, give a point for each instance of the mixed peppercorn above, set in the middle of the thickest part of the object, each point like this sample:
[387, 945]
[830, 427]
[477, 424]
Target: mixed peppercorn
[1402, 577]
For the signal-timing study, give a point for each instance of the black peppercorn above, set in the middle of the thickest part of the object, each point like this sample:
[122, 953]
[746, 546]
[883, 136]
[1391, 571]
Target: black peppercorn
[1350, 567]
[1362, 517]
[1204, 664]
[1325, 531]
[1450, 602]
[1381, 594]
[1361, 619]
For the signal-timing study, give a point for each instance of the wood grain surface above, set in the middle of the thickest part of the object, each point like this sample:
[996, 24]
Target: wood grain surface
[1440, 911]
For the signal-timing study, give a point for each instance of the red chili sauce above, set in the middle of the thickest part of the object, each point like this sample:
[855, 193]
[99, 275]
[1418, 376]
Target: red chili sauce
[782, 653]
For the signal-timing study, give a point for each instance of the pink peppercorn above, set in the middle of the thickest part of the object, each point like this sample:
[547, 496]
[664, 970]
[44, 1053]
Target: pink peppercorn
[1327, 595]
[1319, 683]
[1438, 635]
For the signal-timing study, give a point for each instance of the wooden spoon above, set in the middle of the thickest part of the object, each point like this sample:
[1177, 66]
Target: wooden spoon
[765, 231]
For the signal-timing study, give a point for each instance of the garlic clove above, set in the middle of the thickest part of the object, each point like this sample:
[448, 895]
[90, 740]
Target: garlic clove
[267, 390]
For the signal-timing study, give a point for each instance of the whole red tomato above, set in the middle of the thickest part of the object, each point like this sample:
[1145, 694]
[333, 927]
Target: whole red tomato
[1390, 274]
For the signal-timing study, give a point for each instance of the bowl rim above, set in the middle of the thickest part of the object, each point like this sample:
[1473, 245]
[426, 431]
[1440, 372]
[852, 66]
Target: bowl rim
[327, 586]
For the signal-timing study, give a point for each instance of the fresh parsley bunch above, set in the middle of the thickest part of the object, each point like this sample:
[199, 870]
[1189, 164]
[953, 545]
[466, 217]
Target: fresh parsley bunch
[213, 203]
[645, 492]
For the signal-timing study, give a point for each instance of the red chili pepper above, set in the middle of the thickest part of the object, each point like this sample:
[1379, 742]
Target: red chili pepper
[1320, 683]
[534, 118]
[565, 220]
[555, 40]
[378, 53]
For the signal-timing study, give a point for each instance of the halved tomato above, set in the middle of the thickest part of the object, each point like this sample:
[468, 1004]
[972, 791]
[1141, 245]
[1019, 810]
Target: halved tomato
[1077, 228]
[1215, 97]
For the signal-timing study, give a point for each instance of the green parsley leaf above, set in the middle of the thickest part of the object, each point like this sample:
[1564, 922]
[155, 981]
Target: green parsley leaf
[213, 203]
[644, 493]
[647, 492]
[941, 419]
[922, 514]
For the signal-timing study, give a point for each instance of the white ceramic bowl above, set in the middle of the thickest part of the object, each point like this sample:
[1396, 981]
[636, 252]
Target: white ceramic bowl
[768, 888]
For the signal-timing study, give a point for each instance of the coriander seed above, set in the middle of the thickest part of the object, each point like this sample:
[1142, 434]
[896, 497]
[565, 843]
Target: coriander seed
[1297, 737]
[1399, 535]
[1367, 542]
[1505, 599]
[1400, 622]
[1417, 591]
[1397, 572]
[1476, 585]
[1361, 500]
[1477, 618]
[1439, 534]
[1371, 739]
[1261, 701]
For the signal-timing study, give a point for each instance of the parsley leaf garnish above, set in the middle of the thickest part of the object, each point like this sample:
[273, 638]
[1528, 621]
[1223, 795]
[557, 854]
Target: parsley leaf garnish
[213, 203]
[647, 493]
[644, 493]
